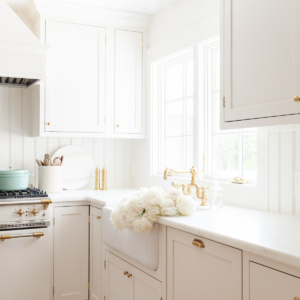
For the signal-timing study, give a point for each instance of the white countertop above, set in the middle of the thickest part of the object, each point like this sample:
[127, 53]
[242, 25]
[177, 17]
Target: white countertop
[271, 235]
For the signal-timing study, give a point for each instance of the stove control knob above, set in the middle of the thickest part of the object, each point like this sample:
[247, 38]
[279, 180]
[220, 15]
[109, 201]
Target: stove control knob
[20, 212]
[34, 212]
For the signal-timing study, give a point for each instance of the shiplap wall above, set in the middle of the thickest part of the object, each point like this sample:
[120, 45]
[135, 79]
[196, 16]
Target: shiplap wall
[19, 150]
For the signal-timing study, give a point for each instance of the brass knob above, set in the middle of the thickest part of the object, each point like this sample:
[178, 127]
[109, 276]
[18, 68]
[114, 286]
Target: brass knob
[98, 217]
[296, 99]
[297, 298]
[129, 275]
[125, 272]
[48, 123]
[20, 212]
[198, 243]
[118, 125]
[34, 212]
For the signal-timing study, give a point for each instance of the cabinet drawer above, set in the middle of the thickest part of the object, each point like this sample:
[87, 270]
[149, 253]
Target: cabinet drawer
[267, 283]
[197, 266]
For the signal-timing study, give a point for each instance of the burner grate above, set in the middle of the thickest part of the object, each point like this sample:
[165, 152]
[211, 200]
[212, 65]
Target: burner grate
[28, 193]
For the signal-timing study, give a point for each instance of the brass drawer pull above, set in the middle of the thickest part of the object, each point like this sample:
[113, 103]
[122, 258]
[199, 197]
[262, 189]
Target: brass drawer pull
[98, 217]
[125, 272]
[129, 275]
[296, 99]
[297, 298]
[14, 236]
[198, 243]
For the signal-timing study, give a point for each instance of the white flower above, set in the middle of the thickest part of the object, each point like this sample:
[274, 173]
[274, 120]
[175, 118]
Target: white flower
[159, 189]
[152, 198]
[174, 194]
[117, 220]
[185, 205]
[140, 192]
[143, 225]
[152, 212]
[168, 208]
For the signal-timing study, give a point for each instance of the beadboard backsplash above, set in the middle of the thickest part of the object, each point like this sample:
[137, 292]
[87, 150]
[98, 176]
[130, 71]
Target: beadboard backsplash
[19, 150]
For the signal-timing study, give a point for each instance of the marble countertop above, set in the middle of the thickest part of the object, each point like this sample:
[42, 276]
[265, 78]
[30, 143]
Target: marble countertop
[271, 235]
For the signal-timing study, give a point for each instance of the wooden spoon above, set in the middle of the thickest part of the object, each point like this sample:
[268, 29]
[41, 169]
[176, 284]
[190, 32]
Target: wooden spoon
[47, 160]
[39, 162]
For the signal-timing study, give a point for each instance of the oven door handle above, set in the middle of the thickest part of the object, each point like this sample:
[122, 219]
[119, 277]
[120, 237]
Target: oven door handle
[14, 236]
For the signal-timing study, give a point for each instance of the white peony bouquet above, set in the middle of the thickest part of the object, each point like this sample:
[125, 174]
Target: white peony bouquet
[138, 212]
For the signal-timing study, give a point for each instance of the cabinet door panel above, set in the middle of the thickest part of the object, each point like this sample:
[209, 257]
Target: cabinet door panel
[144, 286]
[71, 246]
[117, 284]
[95, 253]
[266, 283]
[128, 81]
[261, 58]
[75, 85]
[213, 272]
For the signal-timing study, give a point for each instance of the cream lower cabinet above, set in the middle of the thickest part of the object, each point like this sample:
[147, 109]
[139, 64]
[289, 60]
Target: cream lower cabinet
[71, 252]
[124, 281]
[267, 283]
[95, 253]
[212, 272]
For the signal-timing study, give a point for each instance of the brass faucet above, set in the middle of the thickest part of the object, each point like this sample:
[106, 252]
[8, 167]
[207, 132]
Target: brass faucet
[187, 189]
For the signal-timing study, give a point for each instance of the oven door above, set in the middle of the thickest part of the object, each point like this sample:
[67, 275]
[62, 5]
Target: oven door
[25, 264]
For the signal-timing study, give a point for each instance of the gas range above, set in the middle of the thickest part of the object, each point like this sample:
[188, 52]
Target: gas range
[29, 193]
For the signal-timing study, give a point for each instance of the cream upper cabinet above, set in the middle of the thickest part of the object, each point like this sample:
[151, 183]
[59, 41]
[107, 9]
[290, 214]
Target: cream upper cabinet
[71, 252]
[75, 84]
[267, 283]
[260, 42]
[202, 269]
[128, 81]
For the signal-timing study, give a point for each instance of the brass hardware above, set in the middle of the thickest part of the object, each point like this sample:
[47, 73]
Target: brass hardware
[204, 196]
[104, 179]
[98, 217]
[5, 237]
[198, 243]
[89, 286]
[38, 234]
[104, 297]
[48, 123]
[239, 180]
[97, 179]
[20, 212]
[296, 99]
[10, 168]
[34, 211]
[223, 101]
[118, 125]
[46, 203]
[129, 275]
[105, 264]
[53, 221]
[297, 298]
[125, 272]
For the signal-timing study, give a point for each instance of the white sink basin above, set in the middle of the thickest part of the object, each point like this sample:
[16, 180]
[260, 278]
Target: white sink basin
[141, 247]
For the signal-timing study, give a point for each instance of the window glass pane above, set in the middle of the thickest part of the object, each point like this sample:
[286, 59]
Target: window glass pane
[216, 110]
[189, 90]
[250, 156]
[174, 82]
[174, 118]
[189, 158]
[227, 155]
[174, 153]
[189, 116]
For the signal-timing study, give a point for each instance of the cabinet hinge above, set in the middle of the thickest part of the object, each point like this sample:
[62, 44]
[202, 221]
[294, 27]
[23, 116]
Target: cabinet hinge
[53, 221]
[223, 101]
[105, 264]
[89, 287]
[53, 290]
[104, 297]
[89, 219]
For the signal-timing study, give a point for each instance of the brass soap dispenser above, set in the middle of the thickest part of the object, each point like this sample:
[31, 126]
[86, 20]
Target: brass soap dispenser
[104, 179]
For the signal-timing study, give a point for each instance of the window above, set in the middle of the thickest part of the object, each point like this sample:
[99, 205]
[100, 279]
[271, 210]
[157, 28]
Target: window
[231, 153]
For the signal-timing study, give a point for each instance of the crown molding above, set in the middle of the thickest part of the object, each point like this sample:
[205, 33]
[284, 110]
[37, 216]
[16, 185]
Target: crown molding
[97, 14]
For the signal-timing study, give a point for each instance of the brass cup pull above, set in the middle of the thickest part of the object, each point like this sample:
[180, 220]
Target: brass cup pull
[118, 125]
[98, 217]
[125, 272]
[296, 99]
[129, 275]
[297, 298]
[198, 243]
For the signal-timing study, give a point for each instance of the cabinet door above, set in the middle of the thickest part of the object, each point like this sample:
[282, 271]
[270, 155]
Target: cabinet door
[144, 286]
[75, 85]
[266, 283]
[261, 44]
[117, 283]
[71, 253]
[213, 272]
[95, 253]
[128, 81]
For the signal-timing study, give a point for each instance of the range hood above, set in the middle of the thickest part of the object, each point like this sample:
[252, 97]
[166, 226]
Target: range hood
[22, 55]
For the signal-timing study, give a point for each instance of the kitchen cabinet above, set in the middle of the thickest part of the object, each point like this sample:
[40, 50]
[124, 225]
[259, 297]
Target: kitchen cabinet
[260, 43]
[75, 84]
[128, 81]
[267, 283]
[200, 268]
[124, 281]
[95, 253]
[71, 252]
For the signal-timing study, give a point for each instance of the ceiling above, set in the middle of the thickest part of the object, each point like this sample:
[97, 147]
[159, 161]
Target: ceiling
[139, 6]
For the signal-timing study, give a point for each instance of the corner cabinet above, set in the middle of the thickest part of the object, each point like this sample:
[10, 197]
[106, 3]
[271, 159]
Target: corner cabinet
[260, 45]
[200, 268]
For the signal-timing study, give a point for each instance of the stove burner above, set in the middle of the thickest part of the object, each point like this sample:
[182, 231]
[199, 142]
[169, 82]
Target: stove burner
[29, 193]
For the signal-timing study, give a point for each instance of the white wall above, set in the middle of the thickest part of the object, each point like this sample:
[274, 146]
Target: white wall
[19, 150]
